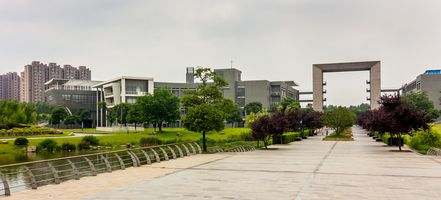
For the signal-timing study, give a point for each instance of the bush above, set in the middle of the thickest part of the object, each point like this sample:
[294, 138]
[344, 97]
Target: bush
[91, 139]
[243, 136]
[47, 145]
[66, 146]
[21, 141]
[27, 131]
[289, 137]
[84, 145]
[149, 141]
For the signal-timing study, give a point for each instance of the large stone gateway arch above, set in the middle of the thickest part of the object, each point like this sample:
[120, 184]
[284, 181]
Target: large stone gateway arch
[374, 79]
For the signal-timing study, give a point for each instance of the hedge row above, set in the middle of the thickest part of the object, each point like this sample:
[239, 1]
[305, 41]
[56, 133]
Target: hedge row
[28, 131]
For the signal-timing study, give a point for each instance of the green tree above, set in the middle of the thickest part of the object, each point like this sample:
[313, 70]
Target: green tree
[13, 113]
[232, 110]
[83, 117]
[70, 120]
[253, 107]
[58, 115]
[204, 105]
[159, 108]
[288, 103]
[118, 114]
[420, 102]
[135, 115]
[339, 119]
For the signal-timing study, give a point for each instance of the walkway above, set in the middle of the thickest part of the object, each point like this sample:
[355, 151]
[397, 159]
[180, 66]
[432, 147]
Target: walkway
[311, 169]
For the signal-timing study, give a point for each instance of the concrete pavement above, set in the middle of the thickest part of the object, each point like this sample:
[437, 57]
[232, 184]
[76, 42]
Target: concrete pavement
[310, 169]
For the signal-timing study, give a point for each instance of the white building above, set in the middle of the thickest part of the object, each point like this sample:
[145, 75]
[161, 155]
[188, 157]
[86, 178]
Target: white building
[124, 89]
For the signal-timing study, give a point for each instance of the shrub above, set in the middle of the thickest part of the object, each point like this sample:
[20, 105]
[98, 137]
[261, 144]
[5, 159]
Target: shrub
[47, 145]
[289, 137]
[91, 139]
[21, 141]
[149, 141]
[66, 146]
[84, 145]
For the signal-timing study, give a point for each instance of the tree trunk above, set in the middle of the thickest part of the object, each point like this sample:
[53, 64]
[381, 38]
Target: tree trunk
[204, 142]
[160, 127]
[135, 128]
[399, 141]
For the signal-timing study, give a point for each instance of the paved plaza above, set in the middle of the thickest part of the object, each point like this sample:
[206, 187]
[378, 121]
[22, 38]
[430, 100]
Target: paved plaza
[310, 169]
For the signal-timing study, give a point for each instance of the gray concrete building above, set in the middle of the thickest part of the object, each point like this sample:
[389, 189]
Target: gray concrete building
[242, 92]
[74, 95]
[428, 82]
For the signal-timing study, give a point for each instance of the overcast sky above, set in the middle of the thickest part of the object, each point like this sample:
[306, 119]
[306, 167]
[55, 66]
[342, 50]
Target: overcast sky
[266, 39]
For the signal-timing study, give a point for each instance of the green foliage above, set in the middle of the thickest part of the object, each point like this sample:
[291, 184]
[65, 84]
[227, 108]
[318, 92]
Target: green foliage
[58, 114]
[339, 119]
[66, 146]
[21, 141]
[70, 120]
[253, 116]
[287, 104]
[232, 110]
[290, 137]
[91, 139]
[205, 111]
[118, 113]
[13, 113]
[84, 145]
[204, 118]
[253, 107]
[420, 102]
[48, 145]
[149, 141]
[160, 107]
[29, 131]
[82, 116]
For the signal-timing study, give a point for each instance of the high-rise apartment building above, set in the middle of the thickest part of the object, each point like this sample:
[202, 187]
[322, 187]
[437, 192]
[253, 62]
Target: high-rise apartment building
[84, 73]
[10, 86]
[37, 74]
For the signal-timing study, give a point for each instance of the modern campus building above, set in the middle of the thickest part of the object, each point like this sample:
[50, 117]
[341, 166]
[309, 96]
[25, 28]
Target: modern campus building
[74, 95]
[242, 92]
[35, 75]
[10, 86]
[428, 82]
[124, 89]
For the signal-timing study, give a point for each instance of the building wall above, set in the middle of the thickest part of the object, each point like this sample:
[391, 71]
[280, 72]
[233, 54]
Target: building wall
[428, 83]
[10, 86]
[36, 74]
[431, 84]
[257, 91]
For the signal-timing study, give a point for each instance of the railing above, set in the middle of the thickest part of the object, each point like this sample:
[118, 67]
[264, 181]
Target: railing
[21, 176]
[434, 152]
[242, 148]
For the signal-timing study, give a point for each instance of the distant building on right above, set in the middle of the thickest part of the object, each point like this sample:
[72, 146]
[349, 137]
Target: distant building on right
[428, 82]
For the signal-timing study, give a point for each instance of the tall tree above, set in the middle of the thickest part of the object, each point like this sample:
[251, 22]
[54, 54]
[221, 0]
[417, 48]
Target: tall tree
[253, 107]
[288, 103]
[232, 110]
[204, 110]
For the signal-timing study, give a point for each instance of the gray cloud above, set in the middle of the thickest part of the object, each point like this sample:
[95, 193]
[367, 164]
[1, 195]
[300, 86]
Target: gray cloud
[266, 39]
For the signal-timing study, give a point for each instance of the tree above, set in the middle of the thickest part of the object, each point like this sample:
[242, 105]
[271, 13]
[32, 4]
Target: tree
[83, 117]
[118, 114]
[421, 103]
[159, 108]
[395, 117]
[232, 110]
[278, 125]
[204, 110]
[288, 103]
[253, 107]
[339, 119]
[103, 105]
[58, 115]
[312, 121]
[70, 120]
[13, 113]
[261, 129]
[135, 115]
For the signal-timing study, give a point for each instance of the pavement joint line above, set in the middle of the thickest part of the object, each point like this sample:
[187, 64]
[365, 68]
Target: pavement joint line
[312, 177]
[183, 168]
